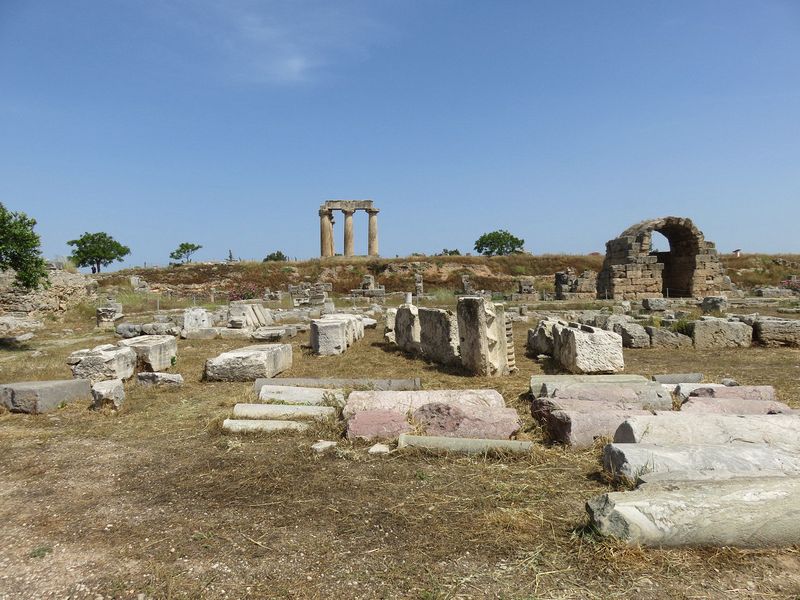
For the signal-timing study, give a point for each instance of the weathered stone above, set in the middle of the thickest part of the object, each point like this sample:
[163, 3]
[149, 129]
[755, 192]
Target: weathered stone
[645, 394]
[269, 334]
[159, 379]
[734, 406]
[737, 512]
[331, 383]
[249, 363]
[439, 340]
[226, 333]
[655, 304]
[388, 328]
[379, 449]
[323, 446]
[540, 339]
[676, 378]
[714, 304]
[328, 338]
[664, 338]
[682, 390]
[103, 362]
[282, 411]
[128, 330]
[107, 315]
[780, 431]
[632, 461]
[207, 333]
[539, 383]
[196, 318]
[711, 334]
[261, 425]
[482, 336]
[161, 329]
[777, 332]
[633, 335]
[579, 423]
[43, 396]
[153, 352]
[407, 333]
[300, 395]
[377, 424]
[108, 393]
[746, 392]
[466, 445]
[406, 402]
[585, 349]
[440, 419]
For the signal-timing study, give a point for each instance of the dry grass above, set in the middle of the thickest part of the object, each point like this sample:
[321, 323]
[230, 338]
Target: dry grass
[157, 500]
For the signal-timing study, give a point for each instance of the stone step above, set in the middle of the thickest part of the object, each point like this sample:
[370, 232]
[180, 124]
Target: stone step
[467, 445]
[282, 411]
[256, 426]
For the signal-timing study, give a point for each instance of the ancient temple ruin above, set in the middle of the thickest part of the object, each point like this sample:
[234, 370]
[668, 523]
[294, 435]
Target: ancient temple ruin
[633, 270]
[348, 207]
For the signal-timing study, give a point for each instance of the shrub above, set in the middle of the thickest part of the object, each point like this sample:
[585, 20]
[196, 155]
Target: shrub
[276, 256]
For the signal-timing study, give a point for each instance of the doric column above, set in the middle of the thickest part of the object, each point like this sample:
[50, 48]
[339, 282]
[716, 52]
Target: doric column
[325, 233]
[348, 233]
[373, 231]
[331, 239]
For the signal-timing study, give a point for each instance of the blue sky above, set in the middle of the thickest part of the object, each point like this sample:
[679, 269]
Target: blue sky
[227, 123]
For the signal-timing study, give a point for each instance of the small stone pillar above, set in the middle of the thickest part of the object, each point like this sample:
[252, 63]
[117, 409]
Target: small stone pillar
[373, 232]
[348, 233]
[325, 233]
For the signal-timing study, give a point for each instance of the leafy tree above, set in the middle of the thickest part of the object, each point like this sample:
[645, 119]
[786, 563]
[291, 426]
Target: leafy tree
[276, 256]
[184, 252]
[498, 243]
[96, 250]
[19, 248]
[447, 252]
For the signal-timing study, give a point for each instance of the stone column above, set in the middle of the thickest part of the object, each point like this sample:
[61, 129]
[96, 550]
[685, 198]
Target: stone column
[373, 232]
[348, 233]
[325, 233]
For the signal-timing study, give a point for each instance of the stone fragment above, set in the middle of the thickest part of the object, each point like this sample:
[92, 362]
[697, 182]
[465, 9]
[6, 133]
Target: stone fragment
[734, 406]
[541, 382]
[644, 394]
[128, 330]
[714, 305]
[103, 362]
[583, 422]
[633, 335]
[261, 425]
[728, 382]
[632, 461]
[196, 318]
[664, 338]
[43, 396]
[676, 378]
[331, 383]
[207, 333]
[282, 411]
[746, 392]
[108, 393]
[153, 352]
[388, 328]
[780, 431]
[159, 379]
[585, 349]
[406, 402]
[249, 363]
[301, 395]
[683, 390]
[107, 315]
[738, 512]
[379, 449]
[483, 344]
[323, 446]
[710, 334]
[440, 419]
[377, 424]
[407, 331]
[541, 338]
[466, 445]
[655, 304]
[269, 334]
[226, 333]
[777, 332]
[439, 340]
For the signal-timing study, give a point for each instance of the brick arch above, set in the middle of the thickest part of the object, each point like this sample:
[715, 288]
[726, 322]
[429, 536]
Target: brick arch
[632, 270]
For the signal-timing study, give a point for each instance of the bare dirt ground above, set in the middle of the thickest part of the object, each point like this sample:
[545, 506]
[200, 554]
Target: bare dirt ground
[157, 502]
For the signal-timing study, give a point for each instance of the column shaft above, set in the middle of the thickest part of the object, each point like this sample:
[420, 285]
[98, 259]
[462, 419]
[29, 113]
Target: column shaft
[325, 233]
[373, 233]
[349, 246]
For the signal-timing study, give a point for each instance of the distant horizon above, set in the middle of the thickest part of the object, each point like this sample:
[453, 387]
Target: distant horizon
[228, 124]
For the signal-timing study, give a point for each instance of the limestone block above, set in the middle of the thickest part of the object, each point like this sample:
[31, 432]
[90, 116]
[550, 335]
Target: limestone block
[159, 379]
[377, 424]
[406, 402]
[777, 332]
[714, 304]
[110, 392]
[780, 431]
[633, 335]
[645, 394]
[261, 425]
[735, 512]
[160, 329]
[747, 392]
[655, 304]
[585, 349]
[678, 378]
[207, 333]
[249, 363]
[482, 336]
[632, 461]
[388, 327]
[541, 382]
[103, 362]
[439, 335]
[128, 330]
[269, 334]
[734, 406]
[334, 382]
[710, 334]
[282, 411]
[683, 390]
[466, 445]
[664, 338]
[540, 339]
[153, 352]
[43, 396]
[407, 333]
[196, 318]
[440, 419]
[300, 395]
[579, 423]
[328, 338]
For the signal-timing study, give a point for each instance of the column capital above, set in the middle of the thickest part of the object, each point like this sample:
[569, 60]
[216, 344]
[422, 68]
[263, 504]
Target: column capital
[372, 211]
[348, 212]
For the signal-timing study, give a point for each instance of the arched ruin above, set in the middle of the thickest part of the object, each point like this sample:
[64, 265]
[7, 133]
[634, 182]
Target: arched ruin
[633, 269]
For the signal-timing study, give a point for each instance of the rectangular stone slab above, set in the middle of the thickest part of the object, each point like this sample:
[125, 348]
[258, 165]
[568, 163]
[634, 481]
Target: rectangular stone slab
[538, 381]
[282, 411]
[261, 426]
[678, 378]
[648, 394]
[748, 392]
[581, 429]
[466, 445]
[632, 461]
[734, 406]
[407, 402]
[300, 395]
[43, 396]
[372, 384]
[249, 363]
[742, 512]
[780, 431]
[153, 352]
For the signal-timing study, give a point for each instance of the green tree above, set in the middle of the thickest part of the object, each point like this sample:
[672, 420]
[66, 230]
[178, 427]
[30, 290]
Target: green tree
[184, 252]
[276, 256]
[19, 248]
[96, 250]
[498, 243]
[447, 252]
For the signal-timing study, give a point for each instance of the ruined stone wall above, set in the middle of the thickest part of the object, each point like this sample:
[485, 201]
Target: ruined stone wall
[66, 290]
[632, 270]
[569, 286]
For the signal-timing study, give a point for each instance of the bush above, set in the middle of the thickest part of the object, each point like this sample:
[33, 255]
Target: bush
[276, 256]
[683, 326]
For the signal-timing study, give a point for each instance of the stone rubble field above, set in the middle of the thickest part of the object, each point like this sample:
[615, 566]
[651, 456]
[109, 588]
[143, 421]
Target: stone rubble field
[469, 450]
